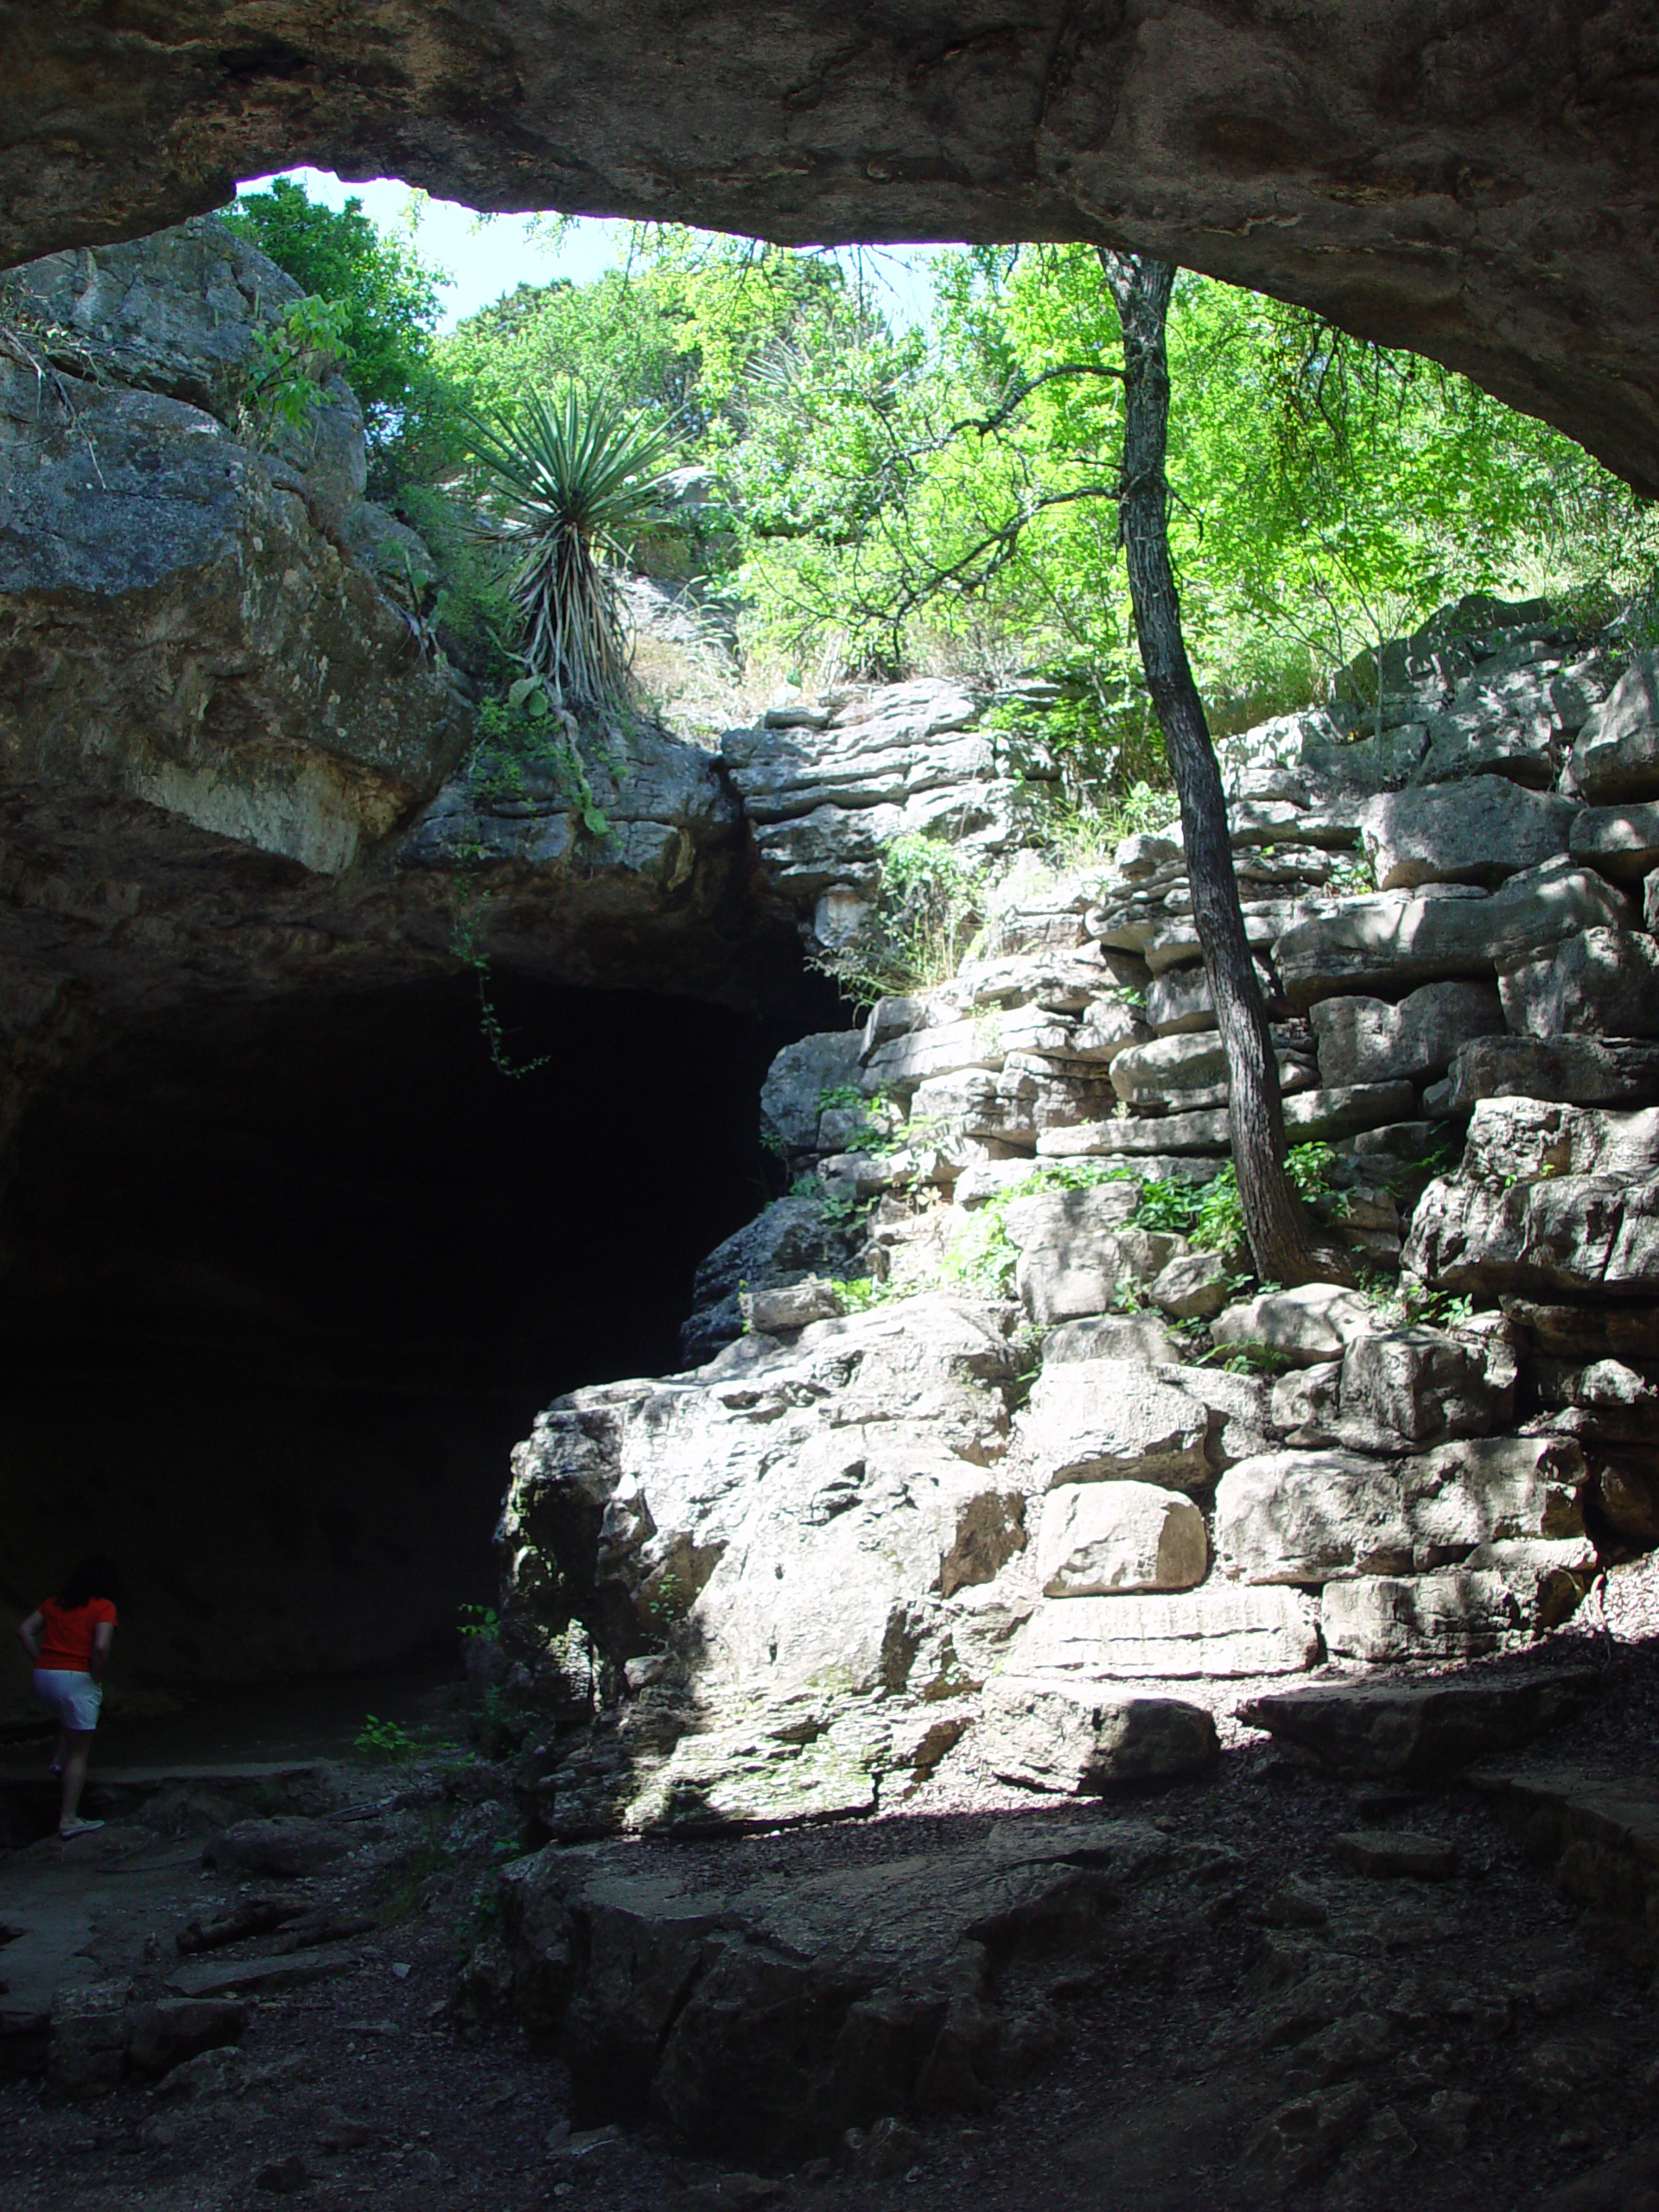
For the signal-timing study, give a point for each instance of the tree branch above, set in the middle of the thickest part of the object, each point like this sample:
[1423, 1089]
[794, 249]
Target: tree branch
[1021, 392]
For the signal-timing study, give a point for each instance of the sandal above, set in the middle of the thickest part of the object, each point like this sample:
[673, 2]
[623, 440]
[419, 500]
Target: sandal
[76, 1828]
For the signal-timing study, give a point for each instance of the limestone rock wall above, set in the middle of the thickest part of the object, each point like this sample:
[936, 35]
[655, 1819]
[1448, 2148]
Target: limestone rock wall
[1004, 1447]
[827, 786]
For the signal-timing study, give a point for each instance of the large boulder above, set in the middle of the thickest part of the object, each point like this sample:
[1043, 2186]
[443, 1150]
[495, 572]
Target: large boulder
[1370, 1041]
[1140, 1337]
[827, 794]
[1573, 1070]
[1179, 999]
[1616, 755]
[1421, 1386]
[1111, 1420]
[1396, 941]
[1221, 1631]
[1623, 842]
[1077, 1249]
[818, 1523]
[1304, 1518]
[1603, 983]
[1190, 1069]
[1462, 1613]
[189, 313]
[1059, 1734]
[1316, 1321]
[762, 2022]
[784, 1243]
[181, 618]
[1514, 1140]
[176, 627]
[791, 1098]
[1582, 1234]
[1096, 1538]
[1419, 1732]
[1483, 830]
[1547, 1198]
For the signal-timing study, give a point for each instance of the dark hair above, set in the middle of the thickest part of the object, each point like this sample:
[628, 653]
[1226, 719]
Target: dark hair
[93, 1578]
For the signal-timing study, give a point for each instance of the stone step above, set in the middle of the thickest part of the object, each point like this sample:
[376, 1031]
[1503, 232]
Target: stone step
[1419, 1731]
[1220, 1630]
[1310, 1117]
[258, 1977]
[1595, 1829]
[147, 1779]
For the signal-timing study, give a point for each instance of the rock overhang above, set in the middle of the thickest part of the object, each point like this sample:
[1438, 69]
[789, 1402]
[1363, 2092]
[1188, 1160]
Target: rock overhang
[1478, 184]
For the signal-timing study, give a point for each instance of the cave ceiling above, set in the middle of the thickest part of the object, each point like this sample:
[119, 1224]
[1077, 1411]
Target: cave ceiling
[1476, 179]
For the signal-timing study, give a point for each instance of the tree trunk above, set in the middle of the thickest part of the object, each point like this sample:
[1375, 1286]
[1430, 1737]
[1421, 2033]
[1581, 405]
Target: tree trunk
[1275, 1221]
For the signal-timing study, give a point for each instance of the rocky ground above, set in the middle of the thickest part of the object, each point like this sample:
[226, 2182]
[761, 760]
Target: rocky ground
[1228, 2005]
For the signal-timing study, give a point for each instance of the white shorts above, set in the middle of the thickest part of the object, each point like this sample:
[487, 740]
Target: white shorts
[73, 1699]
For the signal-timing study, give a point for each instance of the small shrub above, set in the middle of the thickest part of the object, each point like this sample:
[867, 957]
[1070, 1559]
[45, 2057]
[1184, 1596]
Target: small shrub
[384, 1739]
[929, 904]
[1086, 835]
[528, 732]
[288, 363]
[573, 476]
[984, 1257]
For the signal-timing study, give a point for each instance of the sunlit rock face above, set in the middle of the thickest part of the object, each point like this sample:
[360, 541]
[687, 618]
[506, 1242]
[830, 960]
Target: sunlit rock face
[1478, 183]
[179, 617]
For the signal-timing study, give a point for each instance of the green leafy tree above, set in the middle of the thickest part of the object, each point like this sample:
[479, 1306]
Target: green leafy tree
[943, 499]
[672, 330]
[389, 298]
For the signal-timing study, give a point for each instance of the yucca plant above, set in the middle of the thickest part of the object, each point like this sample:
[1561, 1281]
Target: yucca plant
[573, 475]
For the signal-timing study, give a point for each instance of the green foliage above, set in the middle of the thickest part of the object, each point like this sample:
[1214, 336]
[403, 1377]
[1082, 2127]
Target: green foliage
[884, 500]
[982, 1256]
[674, 330]
[288, 363]
[951, 493]
[480, 1621]
[474, 612]
[670, 1600]
[1211, 1216]
[571, 475]
[1085, 833]
[386, 297]
[1409, 1303]
[466, 946]
[928, 905]
[1352, 876]
[527, 733]
[384, 1739]
[862, 1293]
[842, 1215]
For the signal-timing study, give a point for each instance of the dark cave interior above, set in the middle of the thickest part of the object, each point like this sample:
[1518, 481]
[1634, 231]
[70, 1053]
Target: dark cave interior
[284, 1283]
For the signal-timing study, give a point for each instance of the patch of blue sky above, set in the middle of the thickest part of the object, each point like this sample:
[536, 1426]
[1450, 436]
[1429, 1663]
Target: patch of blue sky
[486, 256]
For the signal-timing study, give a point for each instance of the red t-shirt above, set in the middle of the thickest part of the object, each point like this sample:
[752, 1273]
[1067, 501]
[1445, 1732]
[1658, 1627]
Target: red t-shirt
[66, 1639]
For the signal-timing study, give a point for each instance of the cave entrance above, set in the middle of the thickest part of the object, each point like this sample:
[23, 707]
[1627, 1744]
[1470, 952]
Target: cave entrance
[285, 1282]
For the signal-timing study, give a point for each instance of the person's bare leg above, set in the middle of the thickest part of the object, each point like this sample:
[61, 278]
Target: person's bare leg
[78, 1746]
[56, 1766]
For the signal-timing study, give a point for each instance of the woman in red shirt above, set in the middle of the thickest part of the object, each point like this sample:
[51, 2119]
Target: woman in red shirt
[68, 1640]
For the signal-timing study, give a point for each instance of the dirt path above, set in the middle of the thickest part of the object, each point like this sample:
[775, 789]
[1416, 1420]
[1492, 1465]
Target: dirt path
[1467, 2044]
